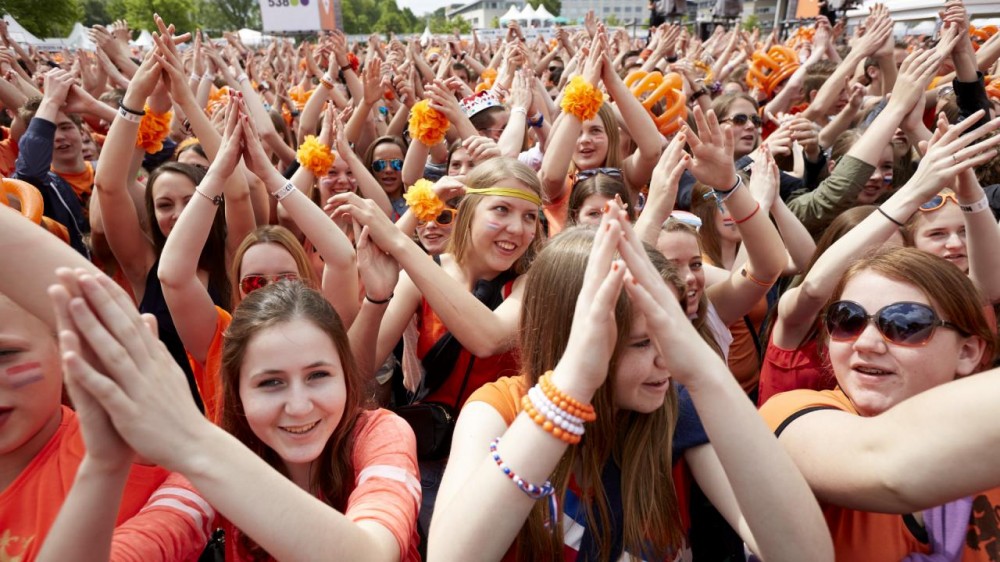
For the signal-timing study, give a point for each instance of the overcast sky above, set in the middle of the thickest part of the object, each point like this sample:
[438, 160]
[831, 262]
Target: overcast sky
[420, 7]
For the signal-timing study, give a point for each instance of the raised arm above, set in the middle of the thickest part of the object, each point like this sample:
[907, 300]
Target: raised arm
[950, 156]
[482, 331]
[340, 270]
[713, 166]
[145, 395]
[126, 237]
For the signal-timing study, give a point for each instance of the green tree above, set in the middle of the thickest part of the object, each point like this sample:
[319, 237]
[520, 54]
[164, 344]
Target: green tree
[95, 12]
[612, 21]
[228, 15]
[440, 23]
[178, 12]
[51, 18]
[553, 6]
[750, 23]
[495, 22]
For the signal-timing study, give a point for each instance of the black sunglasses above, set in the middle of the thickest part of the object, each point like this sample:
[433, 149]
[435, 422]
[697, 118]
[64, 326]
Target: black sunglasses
[901, 323]
[610, 172]
[741, 119]
[379, 165]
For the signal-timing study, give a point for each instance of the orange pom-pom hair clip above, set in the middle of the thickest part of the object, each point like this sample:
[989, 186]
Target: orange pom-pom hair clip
[768, 70]
[667, 88]
[32, 205]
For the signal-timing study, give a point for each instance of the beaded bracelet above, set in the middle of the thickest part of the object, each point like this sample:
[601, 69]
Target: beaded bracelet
[563, 401]
[326, 81]
[552, 422]
[533, 491]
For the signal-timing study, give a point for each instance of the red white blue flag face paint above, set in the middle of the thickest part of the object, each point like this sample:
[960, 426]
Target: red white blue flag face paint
[24, 374]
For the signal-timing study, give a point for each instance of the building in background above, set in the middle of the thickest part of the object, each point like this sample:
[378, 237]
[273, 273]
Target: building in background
[481, 13]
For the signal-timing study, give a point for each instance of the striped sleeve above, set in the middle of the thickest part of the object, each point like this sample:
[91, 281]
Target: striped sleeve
[175, 524]
[387, 484]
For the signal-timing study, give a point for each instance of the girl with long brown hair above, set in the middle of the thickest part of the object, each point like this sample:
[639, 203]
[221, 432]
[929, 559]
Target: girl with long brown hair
[609, 359]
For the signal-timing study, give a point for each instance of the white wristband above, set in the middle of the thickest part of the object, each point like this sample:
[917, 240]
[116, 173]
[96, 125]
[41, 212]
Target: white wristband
[981, 205]
[241, 78]
[129, 116]
[284, 191]
[195, 77]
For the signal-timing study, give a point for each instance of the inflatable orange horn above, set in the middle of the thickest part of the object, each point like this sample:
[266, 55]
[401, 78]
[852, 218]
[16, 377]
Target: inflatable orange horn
[768, 70]
[32, 205]
[668, 89]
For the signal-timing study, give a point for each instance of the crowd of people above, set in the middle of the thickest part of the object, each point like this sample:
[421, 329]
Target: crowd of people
[587, 297]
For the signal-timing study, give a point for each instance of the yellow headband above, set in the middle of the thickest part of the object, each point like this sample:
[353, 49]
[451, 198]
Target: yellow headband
[507, 192]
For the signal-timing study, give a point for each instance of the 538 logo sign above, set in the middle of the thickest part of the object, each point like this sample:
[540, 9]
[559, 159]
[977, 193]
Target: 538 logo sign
[286, 3]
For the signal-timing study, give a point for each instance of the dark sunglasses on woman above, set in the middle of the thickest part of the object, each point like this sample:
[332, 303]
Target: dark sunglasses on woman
[252, 282]
[740, 119]
[446, 217]
[379, 165]
[902, 323]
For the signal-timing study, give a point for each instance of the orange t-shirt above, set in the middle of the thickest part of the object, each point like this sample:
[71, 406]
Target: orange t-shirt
[161, 516]
[557, 210]
[208, 377]
[386, 483]
[862, 535]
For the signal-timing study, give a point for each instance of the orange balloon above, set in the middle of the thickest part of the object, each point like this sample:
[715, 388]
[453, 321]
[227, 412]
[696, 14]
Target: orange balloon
[32, 205]
[660, 88]
[768, 70]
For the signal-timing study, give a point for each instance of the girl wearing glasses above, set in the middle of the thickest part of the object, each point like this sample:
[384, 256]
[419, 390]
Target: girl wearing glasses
[954, 224]
[595, 142]
[384, 158]
[269, 254]
[900, 322]
[792, 346]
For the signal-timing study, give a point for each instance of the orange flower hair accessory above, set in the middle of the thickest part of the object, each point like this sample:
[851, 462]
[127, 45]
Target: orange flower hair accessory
[427, 124]
[769, 70]
[582, 99]
[217, 98]
[423, 202]
[980, 35]
[315, 156]
[300, 97]
[486, 79]
[152, 130]
[352, 60]
[993, 86]
[667, 88]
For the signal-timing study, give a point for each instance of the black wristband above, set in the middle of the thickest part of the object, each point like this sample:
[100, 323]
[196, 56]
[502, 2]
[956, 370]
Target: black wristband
[132, 111]
[373, 301]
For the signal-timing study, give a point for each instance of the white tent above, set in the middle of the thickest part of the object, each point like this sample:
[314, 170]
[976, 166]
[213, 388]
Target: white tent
[528, 14]
[250, 38]
[144, 40]
[542, 14]
[19, 34]
[79, 38]
[512, 15]
[425, 39]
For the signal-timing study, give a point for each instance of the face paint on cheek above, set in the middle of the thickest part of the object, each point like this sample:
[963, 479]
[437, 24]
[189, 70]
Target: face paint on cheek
[25, 374]
[490, 225]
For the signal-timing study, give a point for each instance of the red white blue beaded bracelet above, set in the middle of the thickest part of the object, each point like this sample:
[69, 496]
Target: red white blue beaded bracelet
[533, 491]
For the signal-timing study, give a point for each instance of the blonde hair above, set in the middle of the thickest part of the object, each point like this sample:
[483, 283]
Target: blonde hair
[493, 173]
[281, 236]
